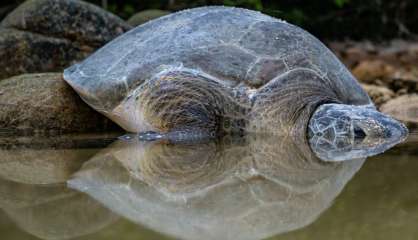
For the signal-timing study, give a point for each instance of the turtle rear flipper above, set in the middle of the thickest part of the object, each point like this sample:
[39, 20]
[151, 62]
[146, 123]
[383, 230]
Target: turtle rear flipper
[178, 106]
[180, 136]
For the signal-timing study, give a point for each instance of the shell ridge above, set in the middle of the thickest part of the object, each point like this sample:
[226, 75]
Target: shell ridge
[182, 68]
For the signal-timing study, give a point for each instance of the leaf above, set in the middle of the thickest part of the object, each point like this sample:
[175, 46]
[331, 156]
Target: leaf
[341, 3]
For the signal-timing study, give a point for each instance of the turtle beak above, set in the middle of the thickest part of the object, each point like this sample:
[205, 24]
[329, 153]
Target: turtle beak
[371, 124]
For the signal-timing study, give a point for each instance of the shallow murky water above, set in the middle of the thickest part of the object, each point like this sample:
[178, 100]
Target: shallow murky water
[99, 187]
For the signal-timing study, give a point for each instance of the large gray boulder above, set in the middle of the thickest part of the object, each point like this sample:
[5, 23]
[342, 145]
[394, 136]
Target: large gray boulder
[45, 102]
[49, 35]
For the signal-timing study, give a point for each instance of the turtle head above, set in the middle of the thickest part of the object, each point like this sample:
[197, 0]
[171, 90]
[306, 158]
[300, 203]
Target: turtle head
[339, 132]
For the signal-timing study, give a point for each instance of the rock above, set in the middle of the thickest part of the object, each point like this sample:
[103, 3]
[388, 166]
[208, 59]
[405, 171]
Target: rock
[354, 55]
[401, 80]
[6, 9]
[369, 70]
[399, 52]
[24, 52]
[54, 33]
[404, 108]
[392, 65]
[40, 102]
[395, 52]
[75, 20]
[378, 94]
[405, 80]
[351, 53]
[145, 16]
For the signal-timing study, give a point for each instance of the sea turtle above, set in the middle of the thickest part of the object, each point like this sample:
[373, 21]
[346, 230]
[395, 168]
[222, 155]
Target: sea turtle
[207, 71]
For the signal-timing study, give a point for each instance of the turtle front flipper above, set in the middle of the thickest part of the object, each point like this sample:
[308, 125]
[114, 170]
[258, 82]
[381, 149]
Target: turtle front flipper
[178, 106]
[284, 105]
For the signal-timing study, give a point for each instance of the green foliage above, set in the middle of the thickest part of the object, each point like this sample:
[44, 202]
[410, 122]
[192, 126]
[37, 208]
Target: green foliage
[341, 3]
[129, 9]
[251, 4]
[296, 16]
[324, 18]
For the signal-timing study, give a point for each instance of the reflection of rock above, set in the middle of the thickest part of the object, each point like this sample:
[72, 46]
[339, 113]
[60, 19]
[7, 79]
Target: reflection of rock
[40, 166]
[46, 102]
[45, 160]
[404, 108]
[18, 195]
[378, 94]
[64, 218]
[247, 189]
[54, 34]
[33, 172]
[145, 16]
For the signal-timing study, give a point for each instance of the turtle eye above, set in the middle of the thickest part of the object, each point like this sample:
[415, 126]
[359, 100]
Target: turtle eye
[358, 132]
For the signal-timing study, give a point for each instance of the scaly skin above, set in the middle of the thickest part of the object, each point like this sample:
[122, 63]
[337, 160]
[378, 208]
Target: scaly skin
[339, 132]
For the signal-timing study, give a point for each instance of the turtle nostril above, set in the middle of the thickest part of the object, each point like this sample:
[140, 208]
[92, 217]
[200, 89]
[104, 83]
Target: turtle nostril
[358, 132]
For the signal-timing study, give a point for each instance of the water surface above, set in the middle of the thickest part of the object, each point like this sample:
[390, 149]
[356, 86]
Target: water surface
[253, 188]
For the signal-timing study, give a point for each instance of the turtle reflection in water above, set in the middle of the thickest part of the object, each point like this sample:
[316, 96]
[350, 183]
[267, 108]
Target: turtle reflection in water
[245, 188]
[211, 71]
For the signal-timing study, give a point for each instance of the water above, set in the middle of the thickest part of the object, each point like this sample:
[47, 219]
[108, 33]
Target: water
[253, 188]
